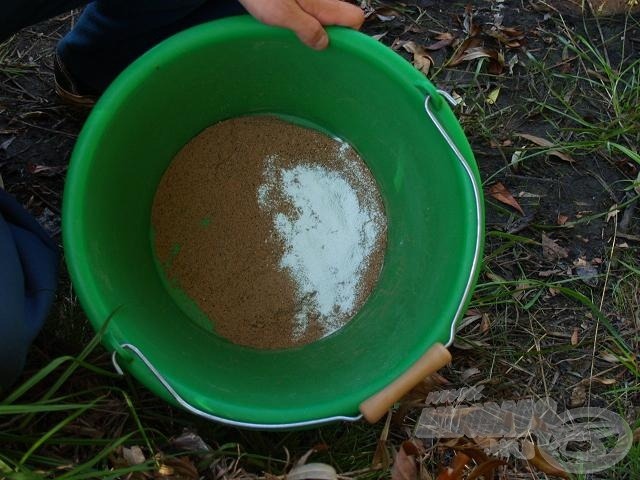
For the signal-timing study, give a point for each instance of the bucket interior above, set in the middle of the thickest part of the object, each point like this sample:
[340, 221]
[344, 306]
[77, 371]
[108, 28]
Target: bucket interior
[357, 90]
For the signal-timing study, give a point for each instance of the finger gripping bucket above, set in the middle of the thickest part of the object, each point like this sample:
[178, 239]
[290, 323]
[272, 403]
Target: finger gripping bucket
[357, 90]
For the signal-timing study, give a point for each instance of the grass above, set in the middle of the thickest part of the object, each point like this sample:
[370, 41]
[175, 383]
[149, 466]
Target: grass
[535, 326]
[614, 91]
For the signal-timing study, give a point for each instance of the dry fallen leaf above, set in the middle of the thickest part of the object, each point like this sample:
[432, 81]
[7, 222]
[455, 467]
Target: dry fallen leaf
[485, 324]
[609, 357]
[468, 373]
[470, 42]
[500, 193]
[444, 40]
[541, 463]
[474, 53]
[509, 37]
[421, 58]
[381, 458]
[486, 469]
[562, 219]
[404, 464]
[492, 98]
[574, 336]
[190, 441]
[578, 396]
[543, 142]
[602, 381]
[613, 212]
[551, 250]
[133, 455]
[456, 470]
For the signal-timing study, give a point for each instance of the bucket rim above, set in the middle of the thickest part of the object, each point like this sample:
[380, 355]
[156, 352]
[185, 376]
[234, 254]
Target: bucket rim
[353, 41]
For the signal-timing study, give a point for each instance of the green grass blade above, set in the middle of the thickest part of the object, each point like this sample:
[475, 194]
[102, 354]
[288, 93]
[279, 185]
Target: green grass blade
[75, 473]
[38, 408]
[35, 379]
[55, 429]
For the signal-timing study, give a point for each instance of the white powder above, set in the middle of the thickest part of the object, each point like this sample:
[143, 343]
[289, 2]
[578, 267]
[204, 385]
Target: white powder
[328, 235]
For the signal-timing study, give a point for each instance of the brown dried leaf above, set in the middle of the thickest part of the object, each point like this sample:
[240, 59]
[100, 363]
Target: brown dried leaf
[602, 381]
[496, 66]
[509, 37]
[512, 32]
[500, 193]
[543, 142]
[486, 469]
[381, 458]
[541, 463]
[478, 52]
[609, 357]
[562, 219]
[574, 336]
[470, 42]
[423, 63]
[444, 40]
[475, 452]
[421, 59]
[485, 324]
[456, 470]
[404, 465]
[551, 250]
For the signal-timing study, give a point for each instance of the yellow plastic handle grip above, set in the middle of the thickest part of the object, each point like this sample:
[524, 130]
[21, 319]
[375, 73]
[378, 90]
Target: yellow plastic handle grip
[375, 407]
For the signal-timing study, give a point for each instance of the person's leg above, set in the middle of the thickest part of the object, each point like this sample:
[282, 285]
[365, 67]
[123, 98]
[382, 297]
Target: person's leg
[110, 34]
[17, 14]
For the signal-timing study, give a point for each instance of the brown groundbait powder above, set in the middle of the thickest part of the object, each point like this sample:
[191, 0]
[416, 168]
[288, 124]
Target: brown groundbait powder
[219, 246]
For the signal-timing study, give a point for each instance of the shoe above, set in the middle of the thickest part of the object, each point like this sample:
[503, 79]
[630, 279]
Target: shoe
[70, 91]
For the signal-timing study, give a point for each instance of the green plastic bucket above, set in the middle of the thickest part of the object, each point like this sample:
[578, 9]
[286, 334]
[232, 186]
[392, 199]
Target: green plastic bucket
[358, 90]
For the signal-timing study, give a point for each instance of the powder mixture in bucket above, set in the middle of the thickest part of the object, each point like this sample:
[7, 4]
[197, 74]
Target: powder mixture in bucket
[275, 231]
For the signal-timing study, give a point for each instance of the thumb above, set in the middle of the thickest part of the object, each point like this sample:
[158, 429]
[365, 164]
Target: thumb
[289, 14]
[308, 29]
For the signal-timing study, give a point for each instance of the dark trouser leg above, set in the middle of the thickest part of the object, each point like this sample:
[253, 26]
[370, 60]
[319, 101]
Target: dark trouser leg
[110, 34]
[17, 14]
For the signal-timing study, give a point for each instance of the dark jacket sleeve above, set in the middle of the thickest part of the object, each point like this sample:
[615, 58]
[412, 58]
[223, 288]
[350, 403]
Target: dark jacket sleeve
[28, 278]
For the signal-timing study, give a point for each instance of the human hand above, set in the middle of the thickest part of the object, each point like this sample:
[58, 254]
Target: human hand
[306, 18]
